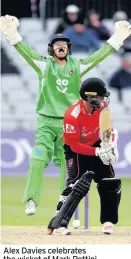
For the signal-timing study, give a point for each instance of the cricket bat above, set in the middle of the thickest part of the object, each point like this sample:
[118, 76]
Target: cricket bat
[105, 125]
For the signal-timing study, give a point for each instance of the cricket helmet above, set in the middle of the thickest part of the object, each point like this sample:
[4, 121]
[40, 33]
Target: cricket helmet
[91, 89]
[58, 37]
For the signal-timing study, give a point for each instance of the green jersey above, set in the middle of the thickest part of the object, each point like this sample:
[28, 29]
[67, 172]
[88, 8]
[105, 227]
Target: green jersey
[59, 85]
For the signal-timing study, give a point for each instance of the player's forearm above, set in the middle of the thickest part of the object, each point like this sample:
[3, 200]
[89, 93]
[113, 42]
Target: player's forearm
[122, 31]
[82, 149]
[28, 54]
[98, 56]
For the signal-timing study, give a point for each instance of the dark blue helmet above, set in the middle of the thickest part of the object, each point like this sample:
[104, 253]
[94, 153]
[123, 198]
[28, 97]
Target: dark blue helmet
[58, 37]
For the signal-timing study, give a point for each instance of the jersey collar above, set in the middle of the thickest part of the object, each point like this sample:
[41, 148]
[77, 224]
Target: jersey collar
[83, 110]
[53, 59]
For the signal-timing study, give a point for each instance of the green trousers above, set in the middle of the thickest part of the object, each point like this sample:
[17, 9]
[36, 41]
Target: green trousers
[48, 146]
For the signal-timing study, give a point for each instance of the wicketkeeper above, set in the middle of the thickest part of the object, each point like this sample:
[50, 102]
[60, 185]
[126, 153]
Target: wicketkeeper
[59, 77]
[88, 158]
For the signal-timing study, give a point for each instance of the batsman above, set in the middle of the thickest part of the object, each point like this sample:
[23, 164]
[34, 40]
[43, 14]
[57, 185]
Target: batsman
[90, 150]
[59, 76]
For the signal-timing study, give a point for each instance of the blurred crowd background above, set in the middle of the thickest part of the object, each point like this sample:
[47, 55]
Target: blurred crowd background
[88, 23]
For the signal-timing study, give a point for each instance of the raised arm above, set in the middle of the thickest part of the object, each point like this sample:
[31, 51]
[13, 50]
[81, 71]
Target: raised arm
[31, 56]
[9, 25]
[99, 55]
[122, 31]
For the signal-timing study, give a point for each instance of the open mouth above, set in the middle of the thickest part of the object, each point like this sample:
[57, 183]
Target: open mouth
[61, 51]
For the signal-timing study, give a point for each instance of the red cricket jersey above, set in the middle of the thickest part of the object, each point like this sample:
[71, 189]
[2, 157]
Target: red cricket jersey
[81, 130]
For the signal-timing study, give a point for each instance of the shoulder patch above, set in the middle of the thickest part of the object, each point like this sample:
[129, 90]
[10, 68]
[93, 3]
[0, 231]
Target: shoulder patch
[70, 128]
[76, 111]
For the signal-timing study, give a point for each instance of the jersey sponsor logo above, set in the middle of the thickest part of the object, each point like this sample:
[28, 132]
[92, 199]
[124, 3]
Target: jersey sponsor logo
[61, 85]
[71, 72]
[85, 132]
[70, 128]
[76, 111]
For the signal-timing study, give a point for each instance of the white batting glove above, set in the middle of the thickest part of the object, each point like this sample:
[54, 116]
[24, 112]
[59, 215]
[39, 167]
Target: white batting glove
[122, 31]
[113, 154]
[9, 25]
[104, 154]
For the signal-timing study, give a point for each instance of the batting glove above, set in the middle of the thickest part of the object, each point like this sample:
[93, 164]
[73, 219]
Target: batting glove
[113, 154]
[122, 31]
[104, 154]
[9, 25]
